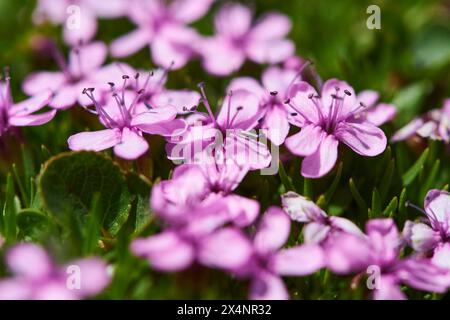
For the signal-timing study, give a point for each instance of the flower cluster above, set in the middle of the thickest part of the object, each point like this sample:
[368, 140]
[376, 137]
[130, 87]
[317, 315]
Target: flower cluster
[204, 220]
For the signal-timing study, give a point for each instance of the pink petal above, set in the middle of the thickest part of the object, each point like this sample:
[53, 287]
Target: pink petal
[407, 131]
[307, 141]
[31, 105]
[267, 286]
[183, 100]
[95, 140]
[270, 51]
[94, 276]
[172, 128]
[368, 97]
[88, 58]
[154, 116]
[227, 249]
[249, 84]
[389, 290]
[130, 43]
[363, 138]
[301, 209]
[84, 31]
[233, 20]
[32, 120]
[441, 256]
[303, 105]
[29, 260]
[108, 9]
[243, 211]
[66, 96]
[299, 261]
[384, 238]
[315, 232]
[240, 110]
[132, 145]
[273, 231]
[54, 289]
[381, 113]
[188, 11]
[422, 274]
[277, 124]
[345, 225]
[220, 58]
[322, 161]
[40, 81]
[15, 289]
[277, 79]
[272, 26]
[165, 251]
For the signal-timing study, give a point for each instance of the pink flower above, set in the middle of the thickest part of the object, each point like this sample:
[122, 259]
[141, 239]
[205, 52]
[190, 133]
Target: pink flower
[228, 137]
[434, 234]
[237, 39]
[125, 116]
[434, 125]
[327, 120]
[266, 261]
[37, 278]
[163, 27]
[83, 70]
[271, 95]
[79, 17]
[379, 252]
[23, 113]
[375, 113]
[320, 228]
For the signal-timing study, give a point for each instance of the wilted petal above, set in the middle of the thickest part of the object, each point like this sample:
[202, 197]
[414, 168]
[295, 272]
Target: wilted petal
[323, 160]
[364, 138]
[267, 286]
[273, 231]
[299, 261]
[300, 208]
[165, 251]
[95, 140]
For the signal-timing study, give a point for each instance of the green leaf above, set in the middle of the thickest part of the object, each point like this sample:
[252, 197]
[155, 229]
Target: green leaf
[357, 196]
[415, 169]
[431, 179]
[285, 179]
[376, 204]
[69, 181]
[409, 99]
[92, 230]
[10, 209]
[386, 180]
[391, 208]
[140, 187]
[33, 225]
[402, 203]
[326, 197]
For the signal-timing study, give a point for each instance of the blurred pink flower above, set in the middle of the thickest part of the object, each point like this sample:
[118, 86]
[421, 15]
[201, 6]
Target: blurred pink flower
[434, 234]
[266, 261]
[327, 120]
[35, 276]
[348, 253]
[237, 38]
[125, 118]
[23, 113]
[434, 125]
[163, 27]
[83, 70]
[79, 17]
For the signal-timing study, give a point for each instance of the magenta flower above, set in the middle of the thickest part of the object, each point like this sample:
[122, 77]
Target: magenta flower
[375, 113]
[200, 192]
[163, 27]
[79, 17]
[83, 70]
[380, 252]
[228, 137]
[434, 125]
[272, 94]
[37, 278]
[126, 118]
[433, 235]
[237, 39]
[23, 113]
[327, 120]
[266, 260]
[319, 228]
